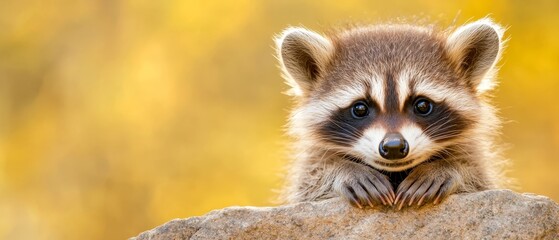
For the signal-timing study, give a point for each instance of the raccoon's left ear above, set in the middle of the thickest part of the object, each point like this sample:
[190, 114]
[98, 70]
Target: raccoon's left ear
[303, 56]
[475, 48]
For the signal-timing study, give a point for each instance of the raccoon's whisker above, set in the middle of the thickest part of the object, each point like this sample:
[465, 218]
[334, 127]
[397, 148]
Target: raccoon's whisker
[462, 150]
[457, 152]
[446, 120]
[448, 136]
[460, 133]
[324, 154]
[429, 129]
[443, 155]
[335, 139]
[348, 131]
[445, 134]
[436, 123]
[447, 152]
[443, 125]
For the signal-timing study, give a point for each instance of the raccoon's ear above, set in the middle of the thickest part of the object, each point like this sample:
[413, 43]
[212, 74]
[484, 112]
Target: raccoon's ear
[475, 48]
[303, 56]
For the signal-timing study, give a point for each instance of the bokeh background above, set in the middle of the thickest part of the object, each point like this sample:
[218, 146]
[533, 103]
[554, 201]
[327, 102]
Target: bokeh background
[117, 116]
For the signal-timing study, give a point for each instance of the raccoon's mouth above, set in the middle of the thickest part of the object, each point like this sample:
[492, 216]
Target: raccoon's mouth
[394, 164]
[382, 163]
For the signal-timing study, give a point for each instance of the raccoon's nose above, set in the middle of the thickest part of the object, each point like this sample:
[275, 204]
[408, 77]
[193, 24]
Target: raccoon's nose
[393, 146]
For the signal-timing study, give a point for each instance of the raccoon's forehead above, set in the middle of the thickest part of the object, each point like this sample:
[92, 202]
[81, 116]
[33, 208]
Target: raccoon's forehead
[396, 46]
[388, 65]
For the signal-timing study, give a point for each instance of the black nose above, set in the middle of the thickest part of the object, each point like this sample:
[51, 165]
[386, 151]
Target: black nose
[393, 146]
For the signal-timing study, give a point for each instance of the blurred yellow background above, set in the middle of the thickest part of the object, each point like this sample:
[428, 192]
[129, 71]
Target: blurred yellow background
[117, 116]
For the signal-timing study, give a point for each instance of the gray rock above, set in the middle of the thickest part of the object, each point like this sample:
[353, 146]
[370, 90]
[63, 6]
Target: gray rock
[494, 214]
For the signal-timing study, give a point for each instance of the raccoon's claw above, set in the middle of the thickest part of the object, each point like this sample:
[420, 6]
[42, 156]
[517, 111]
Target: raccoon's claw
[366, 187]
[420, 187]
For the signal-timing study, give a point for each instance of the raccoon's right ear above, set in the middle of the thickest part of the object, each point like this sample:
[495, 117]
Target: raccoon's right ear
[303, 56]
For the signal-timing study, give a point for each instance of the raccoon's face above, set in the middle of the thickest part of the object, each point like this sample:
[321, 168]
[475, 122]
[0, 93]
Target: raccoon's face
[390, 96]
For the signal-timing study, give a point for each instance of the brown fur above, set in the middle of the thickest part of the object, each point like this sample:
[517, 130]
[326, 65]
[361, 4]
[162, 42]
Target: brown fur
[328, 73]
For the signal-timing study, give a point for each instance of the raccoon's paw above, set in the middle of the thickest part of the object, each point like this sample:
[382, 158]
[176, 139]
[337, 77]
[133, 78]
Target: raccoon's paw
[364, 186]
[426, 184]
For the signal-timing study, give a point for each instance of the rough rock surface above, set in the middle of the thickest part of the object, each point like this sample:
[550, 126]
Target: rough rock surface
[494, 214]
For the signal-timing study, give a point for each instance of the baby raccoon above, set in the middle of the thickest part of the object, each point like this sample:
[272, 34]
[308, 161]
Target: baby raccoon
[392, 114]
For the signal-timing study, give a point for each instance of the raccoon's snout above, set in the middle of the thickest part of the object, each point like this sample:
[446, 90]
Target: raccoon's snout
[393, 146]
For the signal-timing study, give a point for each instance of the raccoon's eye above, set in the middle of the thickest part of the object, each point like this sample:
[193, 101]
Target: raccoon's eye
[422, 107]
[359, 110]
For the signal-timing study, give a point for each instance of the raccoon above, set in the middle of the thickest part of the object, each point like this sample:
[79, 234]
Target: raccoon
[392, 114]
